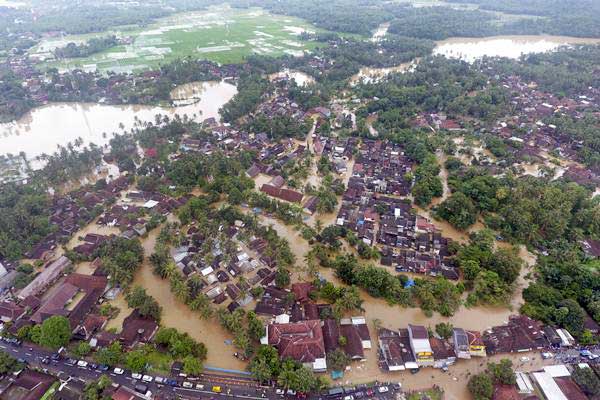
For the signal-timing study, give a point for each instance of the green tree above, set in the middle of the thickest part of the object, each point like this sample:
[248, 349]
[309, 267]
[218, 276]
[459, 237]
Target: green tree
[136, 360]
[481, 386]
[444, 329]
[111, 355]
[502, 372]
[7, 363]
[459, 210]
[192, 366]
[587, 380]
[83, 349]
[55, 332]
[337, 360]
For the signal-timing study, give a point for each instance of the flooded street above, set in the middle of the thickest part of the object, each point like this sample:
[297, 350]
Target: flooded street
[42, 129]
[178, 315]
[470, 49]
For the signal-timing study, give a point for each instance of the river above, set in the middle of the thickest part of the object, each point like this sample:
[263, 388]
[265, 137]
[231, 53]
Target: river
[42, 129]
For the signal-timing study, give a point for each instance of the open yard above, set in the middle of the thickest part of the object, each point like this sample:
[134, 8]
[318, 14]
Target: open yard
[221, 34]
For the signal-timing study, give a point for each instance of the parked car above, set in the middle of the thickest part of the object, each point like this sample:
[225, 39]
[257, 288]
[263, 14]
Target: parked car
[199, 386]
[349, 397]
[188, 385]
[383, 389]
[135, 375]
[45, 360]
[171, 382]
[103, 367]
[280, 392]
[147, 378]
[217, 389]
[70, 362]
[160, 380]
[118, 371]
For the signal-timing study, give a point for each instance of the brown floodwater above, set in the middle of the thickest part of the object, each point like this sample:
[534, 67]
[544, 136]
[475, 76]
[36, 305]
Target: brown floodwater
[470, 49]
[43, 128]
[301, 78]
[178, 315]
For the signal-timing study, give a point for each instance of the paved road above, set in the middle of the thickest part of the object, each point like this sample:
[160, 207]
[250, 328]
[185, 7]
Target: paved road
[231, 387]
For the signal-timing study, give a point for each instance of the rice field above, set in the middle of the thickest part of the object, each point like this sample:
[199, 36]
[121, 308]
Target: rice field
[220, 34]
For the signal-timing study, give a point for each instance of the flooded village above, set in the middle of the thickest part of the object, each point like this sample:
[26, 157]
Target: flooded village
[252, 220]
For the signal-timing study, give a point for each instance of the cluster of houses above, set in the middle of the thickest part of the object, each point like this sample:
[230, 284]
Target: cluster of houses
[414, 347]
[533, 129]
[373, 208]
[77, 297]
[70, 212]
[306, 332]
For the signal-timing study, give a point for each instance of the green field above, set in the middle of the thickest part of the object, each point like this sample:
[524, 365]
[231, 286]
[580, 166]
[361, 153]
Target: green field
[222, 34]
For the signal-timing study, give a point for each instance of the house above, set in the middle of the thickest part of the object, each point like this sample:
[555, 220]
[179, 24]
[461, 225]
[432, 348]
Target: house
[395, 352]
[137, 329]
[476, 345]
[30, 385]
[125, 393]
[45, 278]
[548, 386]
[461, 343]
[301, 341]
[10, 311]
[420, 345]
[443, 353]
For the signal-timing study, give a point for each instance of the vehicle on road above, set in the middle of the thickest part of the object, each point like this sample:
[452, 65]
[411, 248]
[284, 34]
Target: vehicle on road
[160, 380]
[45, 360]
[82, 364]
[103, 367]
[70, 362]
[280, 392]
[171, 382]
[118, 371]
[188, 385]
[199, 386]
[135, 375]
[147, 378]
[349, 397]
[217, 389]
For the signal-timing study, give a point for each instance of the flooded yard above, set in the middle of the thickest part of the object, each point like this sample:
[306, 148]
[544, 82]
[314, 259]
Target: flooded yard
[178, 315]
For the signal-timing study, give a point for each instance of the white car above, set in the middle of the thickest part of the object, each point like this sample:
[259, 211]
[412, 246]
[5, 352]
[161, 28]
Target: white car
[136, 375]
[199, 386]
[188, 385]
[82, 364]
[349, 397]
[118, 371]
[160, 380]
[147, 378]
[383, 389]
[524, 359]
[280, 392]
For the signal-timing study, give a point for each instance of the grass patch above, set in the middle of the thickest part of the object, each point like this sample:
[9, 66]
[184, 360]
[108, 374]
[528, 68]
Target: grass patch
[221, 34]
[430, 394]
[159, 362]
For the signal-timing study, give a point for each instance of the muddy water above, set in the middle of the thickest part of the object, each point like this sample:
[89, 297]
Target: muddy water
[301, 78]
[470, 49]
[178, 315]
[373, 75]
[42, 129]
